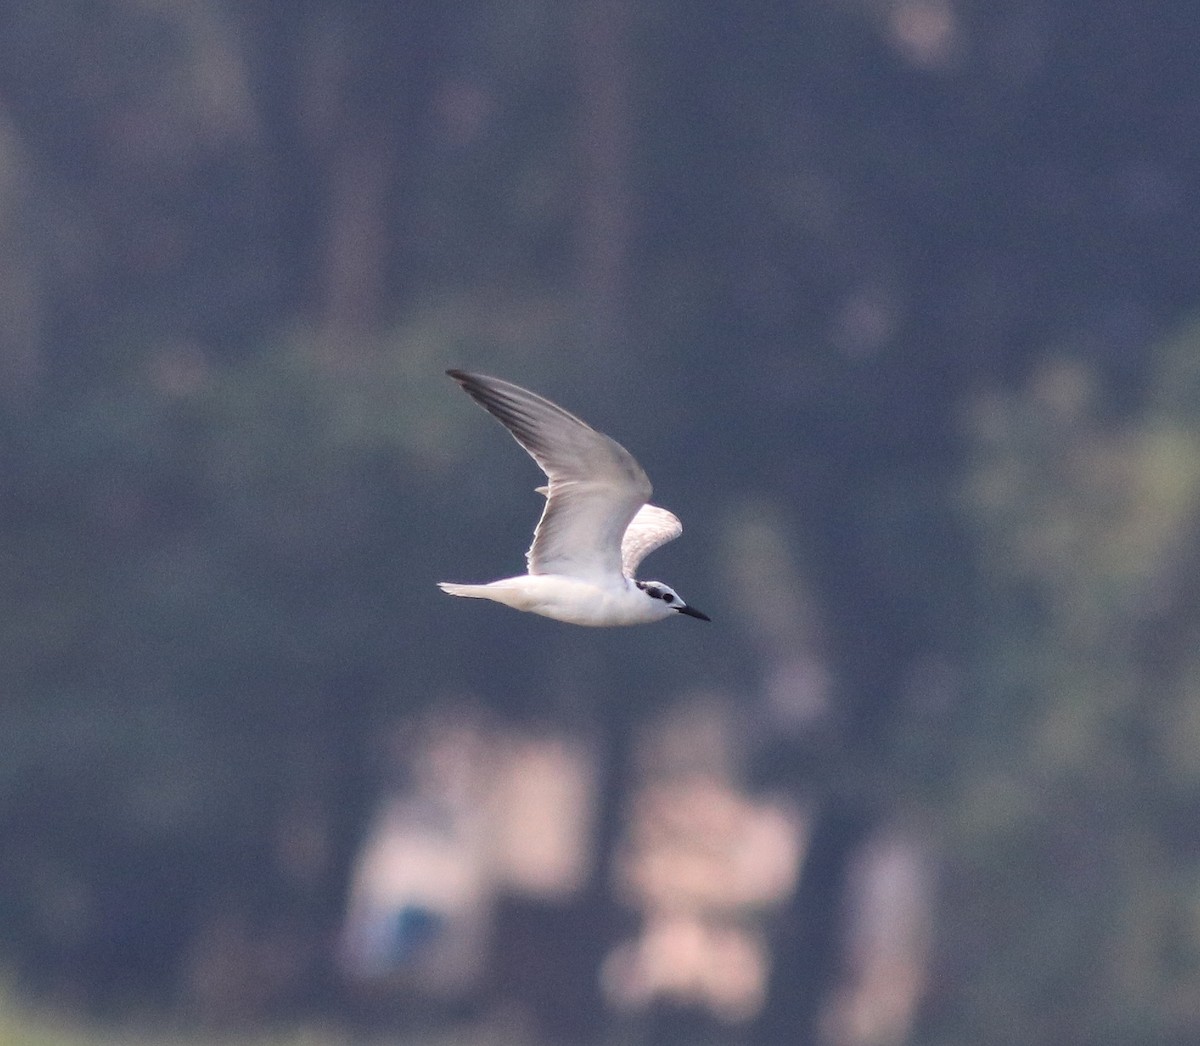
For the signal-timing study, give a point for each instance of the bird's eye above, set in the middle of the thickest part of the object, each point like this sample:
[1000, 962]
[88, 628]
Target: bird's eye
[668, 597]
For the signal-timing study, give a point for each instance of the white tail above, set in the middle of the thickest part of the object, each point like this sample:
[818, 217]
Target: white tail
[473, 591]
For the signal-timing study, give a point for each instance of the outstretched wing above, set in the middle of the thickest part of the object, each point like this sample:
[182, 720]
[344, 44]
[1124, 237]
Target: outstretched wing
[596, 486]
[650, 528]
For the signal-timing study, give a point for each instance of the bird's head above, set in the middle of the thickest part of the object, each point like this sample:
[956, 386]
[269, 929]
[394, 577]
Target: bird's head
[669, 598]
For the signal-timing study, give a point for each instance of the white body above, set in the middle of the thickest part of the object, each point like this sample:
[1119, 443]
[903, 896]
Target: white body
[596, 527]
[569, 599]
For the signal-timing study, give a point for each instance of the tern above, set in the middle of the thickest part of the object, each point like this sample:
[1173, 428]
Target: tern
[597, 525]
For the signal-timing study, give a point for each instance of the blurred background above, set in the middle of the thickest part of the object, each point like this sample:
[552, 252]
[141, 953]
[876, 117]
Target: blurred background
[896, 301]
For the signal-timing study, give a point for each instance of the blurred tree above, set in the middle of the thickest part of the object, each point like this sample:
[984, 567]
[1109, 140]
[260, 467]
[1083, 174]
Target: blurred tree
[1071, 887]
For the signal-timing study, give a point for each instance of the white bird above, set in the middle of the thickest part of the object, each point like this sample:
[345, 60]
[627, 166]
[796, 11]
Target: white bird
[596, 527]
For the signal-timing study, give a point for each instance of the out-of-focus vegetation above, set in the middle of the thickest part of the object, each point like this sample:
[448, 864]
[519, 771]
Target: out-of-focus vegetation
[894, 299]
[21, 1028]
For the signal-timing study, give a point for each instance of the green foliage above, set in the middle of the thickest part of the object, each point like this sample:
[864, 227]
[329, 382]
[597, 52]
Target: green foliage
[1072, 876]
[209, 614]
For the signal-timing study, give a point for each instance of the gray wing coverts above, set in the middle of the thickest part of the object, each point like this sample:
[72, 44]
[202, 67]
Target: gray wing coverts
[596, 486]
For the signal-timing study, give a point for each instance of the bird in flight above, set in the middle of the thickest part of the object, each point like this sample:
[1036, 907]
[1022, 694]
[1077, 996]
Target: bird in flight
[596, 527]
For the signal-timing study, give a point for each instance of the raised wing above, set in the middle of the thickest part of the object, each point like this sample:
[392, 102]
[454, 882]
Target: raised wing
[596, 486]
[650, 528]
